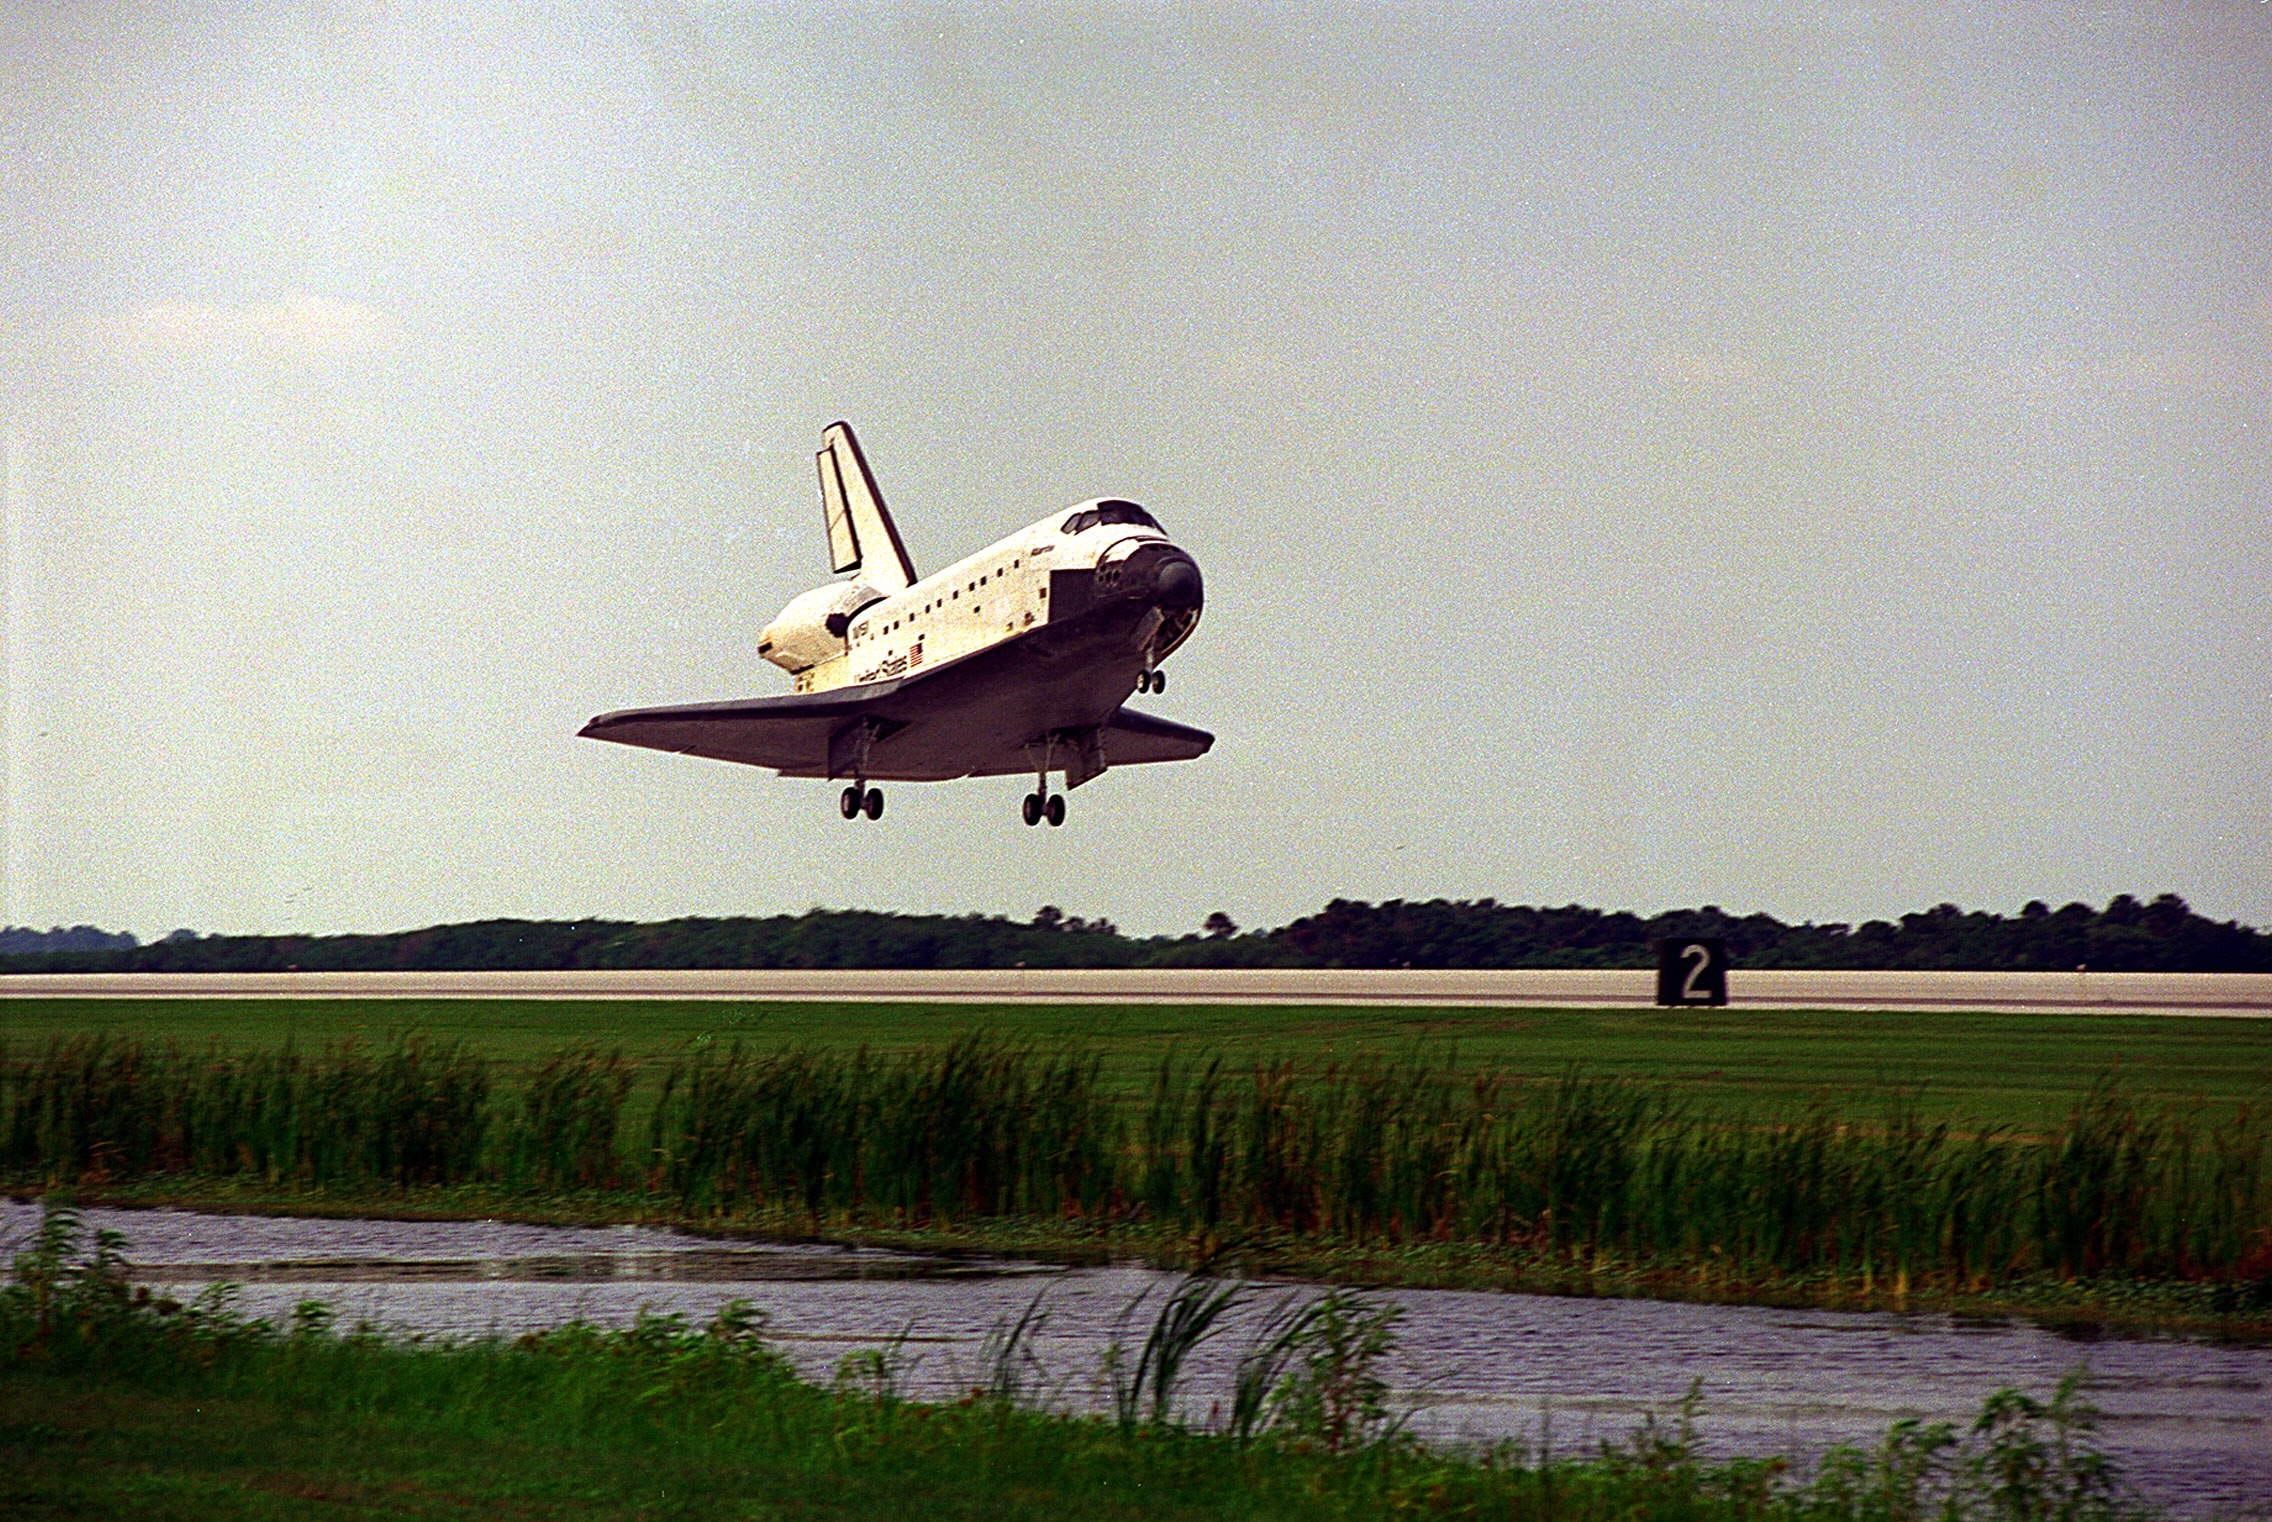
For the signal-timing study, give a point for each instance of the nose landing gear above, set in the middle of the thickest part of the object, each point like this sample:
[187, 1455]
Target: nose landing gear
[856, 800]
[1151, 681]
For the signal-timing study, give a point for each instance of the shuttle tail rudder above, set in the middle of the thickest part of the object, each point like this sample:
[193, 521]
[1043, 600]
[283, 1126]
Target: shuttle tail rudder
[861, 535]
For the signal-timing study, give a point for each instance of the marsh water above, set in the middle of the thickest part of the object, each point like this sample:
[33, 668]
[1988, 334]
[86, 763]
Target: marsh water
[2189, 1420]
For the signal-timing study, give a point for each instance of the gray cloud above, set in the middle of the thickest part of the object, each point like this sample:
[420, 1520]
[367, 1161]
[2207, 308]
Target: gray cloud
[1805, 460]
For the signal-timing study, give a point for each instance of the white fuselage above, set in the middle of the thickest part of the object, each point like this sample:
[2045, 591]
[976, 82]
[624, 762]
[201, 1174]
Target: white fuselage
[990, 597]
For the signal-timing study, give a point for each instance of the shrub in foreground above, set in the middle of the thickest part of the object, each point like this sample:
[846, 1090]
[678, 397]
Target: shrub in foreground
[717, 1406]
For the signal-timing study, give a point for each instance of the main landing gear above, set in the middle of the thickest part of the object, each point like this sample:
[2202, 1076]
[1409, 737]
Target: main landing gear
[1151, 681]
[856, 801]
[1041, 803]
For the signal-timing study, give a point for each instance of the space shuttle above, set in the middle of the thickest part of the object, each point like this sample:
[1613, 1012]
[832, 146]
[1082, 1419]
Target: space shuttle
[1016, 661]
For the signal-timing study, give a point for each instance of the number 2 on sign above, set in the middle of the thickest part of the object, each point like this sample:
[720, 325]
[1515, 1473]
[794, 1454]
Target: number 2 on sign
[1702, 957]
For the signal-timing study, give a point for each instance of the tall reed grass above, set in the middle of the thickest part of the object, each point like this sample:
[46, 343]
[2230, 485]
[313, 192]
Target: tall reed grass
[413, 1112]
[971, 1129]
[562, 1133]
[1579, 1168]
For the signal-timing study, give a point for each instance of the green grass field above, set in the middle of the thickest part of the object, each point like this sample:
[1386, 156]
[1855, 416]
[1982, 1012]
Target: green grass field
[2019, 1069]
[1800, 1157]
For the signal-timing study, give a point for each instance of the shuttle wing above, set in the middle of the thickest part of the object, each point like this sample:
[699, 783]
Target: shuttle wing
[914, 729]
[1131, 738]
[789, 734]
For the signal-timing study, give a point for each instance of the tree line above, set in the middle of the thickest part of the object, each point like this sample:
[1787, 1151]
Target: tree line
[22, 940]
[2127, 935]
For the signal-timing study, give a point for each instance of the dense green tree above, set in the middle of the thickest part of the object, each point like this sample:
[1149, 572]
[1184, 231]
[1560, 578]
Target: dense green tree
[2163, 935]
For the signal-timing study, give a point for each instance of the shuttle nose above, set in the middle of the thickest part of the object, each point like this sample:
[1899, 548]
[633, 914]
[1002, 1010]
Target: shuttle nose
[1162, 575]
[1177, 585]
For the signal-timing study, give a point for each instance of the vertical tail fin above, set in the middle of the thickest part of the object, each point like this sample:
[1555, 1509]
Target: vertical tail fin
[861, 535]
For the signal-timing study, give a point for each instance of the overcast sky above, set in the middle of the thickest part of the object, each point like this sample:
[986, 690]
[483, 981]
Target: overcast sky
[1811, 460]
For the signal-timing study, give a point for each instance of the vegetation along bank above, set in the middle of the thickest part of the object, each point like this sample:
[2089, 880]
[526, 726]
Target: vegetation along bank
[115, 1402]
[1409, 1171]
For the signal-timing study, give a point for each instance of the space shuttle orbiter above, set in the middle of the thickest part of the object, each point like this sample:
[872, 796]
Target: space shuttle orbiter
[1016, 660]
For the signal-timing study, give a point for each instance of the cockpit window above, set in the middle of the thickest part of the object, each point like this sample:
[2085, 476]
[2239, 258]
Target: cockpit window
[1111, 510]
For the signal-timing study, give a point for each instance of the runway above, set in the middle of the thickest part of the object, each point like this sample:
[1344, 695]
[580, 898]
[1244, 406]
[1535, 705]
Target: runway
[2227, 995]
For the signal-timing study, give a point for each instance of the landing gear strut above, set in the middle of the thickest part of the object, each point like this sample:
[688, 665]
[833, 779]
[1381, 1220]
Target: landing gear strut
[848, 757]
[1041, 803]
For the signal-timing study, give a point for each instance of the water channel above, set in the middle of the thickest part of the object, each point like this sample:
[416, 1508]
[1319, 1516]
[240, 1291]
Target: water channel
[2189, 1420]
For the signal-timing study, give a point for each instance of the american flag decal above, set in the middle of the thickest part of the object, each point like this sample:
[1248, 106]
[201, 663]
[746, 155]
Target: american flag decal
[915, 656]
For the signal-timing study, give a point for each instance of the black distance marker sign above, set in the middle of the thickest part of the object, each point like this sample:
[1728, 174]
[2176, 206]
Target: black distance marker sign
[1692, 970]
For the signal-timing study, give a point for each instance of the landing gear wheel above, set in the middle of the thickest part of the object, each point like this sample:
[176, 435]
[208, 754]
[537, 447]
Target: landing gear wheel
[1159, 681]
[1032, 809]
[849, 803]
[1143, 681]
[1055, 809]
[873, 804]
